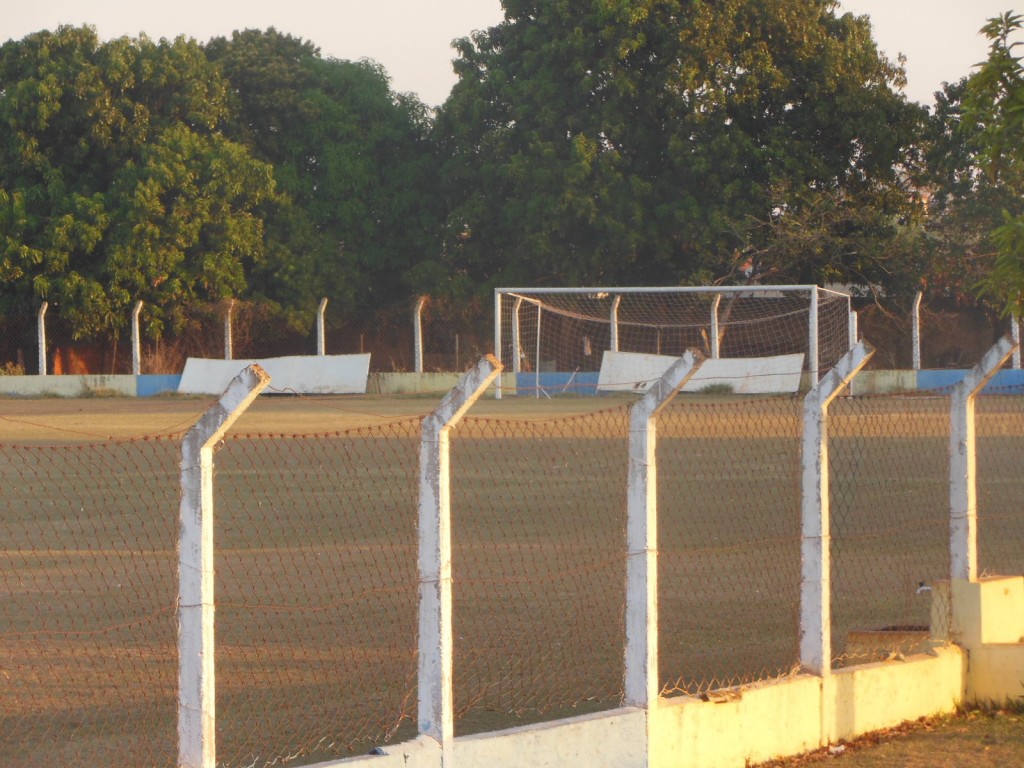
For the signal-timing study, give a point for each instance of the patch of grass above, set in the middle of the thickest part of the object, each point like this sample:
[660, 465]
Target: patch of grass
[982, 737]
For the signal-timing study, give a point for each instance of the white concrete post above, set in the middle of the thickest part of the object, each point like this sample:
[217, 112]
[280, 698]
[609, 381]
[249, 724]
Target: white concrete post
[812, 337]
[613, 328]
[229, 346]
[915, 330]
[497, 339]
[1015, 335]
[435, 710]
[196, 688]
[641, 662]
[41, 336]
[517, 349]
[417, 334]
[963, 507]
[136, 340]
[815, 629]
[715, 343]
[536, 363]
[321, 334]
[854, 329]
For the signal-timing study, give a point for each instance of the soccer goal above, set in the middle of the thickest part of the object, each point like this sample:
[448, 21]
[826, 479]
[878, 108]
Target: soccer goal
[568, 330]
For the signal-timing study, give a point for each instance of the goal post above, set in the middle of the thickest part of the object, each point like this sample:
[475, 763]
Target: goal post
[548, 332]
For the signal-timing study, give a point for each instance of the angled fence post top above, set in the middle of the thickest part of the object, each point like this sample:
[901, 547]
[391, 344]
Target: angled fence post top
[979, 375]
[662, 391]
[240, 393]
[831, 384]
[455, 404]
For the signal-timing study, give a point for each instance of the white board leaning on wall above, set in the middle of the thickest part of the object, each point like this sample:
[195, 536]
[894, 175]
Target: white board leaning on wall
[634, 372]
[301, 374]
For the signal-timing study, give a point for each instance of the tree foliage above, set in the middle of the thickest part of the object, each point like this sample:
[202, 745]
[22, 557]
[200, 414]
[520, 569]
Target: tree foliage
[354, 160]
[115, 181]
[994, 103]
[661, 142]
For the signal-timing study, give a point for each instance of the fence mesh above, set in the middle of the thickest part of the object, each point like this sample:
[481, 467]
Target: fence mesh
[316, 563]
[1000, 432]
[88, 642]
[316, 592]
[538, 529]
[728, 541]
[889, 469]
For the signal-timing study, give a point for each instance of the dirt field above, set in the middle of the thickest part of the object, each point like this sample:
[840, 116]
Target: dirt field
[316, 570]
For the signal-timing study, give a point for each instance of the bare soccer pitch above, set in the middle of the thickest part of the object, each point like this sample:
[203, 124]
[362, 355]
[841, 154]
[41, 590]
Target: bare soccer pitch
[316, 565]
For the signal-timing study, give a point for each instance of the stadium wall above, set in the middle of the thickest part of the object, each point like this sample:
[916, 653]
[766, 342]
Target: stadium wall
[878, 382]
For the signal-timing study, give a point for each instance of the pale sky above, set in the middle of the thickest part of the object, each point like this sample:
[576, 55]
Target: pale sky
[412, 38]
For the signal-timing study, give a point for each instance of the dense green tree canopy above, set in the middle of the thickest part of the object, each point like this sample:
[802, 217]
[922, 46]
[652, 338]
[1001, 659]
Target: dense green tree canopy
[665, 141]
[994, 109]
[352, 156]
[116, 183]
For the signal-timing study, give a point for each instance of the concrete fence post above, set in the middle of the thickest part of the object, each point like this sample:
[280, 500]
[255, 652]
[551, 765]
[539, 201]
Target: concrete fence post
[321, 333]
[1015, 335]
[229, 344]
[642, 685]
[435, 710]
[613, 324]
[417, 334]
[815, 629]
[716, 342]
[41, 336]
[196, 686]
[136, 340]
[963, 528]
[915, 330]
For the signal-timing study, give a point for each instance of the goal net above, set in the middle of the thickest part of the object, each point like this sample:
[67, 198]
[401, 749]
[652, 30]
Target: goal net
[568, 330]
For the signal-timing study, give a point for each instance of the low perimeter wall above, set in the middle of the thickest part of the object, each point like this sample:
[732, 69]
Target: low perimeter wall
[866, 383]
[752, 725]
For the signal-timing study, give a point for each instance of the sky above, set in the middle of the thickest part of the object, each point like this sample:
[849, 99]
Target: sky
[412, 38]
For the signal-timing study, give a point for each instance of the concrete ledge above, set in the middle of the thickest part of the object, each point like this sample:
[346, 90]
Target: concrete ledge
[760, 723]
[67, 386]
[996, 674]
[870, 697]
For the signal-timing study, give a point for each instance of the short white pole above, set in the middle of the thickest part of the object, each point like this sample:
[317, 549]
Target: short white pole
[642, 685]
[854, 329]
[497, 339]
[915, 330]
[1015, 335]
[321, 332]
[613, 329]
[435, 707]
[517, 348]
[41, 336]
[196, 679]
[229, 347]
[536, 366]
[963, 502]
[136, 340]
[417, 335]
[812, 337]
[715, 346]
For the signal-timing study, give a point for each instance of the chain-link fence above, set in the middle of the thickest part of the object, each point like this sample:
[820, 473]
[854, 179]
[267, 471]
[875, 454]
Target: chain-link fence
[316, 533]
[452, 336]
[889, 468]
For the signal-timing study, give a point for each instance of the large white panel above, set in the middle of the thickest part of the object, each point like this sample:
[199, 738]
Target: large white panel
[304, 374]
[634, 372]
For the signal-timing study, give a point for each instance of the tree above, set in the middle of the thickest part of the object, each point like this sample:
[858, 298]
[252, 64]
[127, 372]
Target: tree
[965, 204]
[116, 183]
[353, 158]
[618, 141]
[994, 102]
